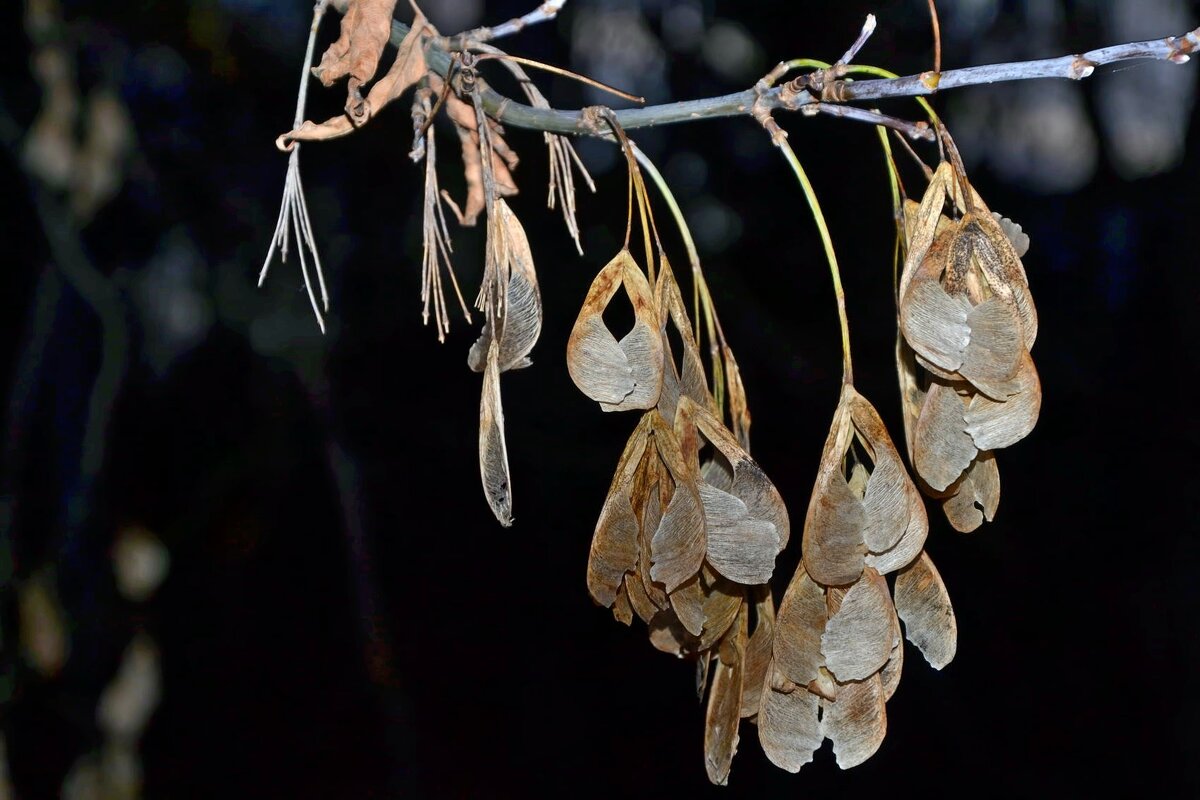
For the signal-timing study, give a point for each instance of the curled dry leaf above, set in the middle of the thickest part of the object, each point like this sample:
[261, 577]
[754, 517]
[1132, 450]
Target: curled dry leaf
[519, 321]
[366, 26]
[365, 30]
[924, 605]
[725, 702]
[618, 375]
[493, 452]
[858, 639]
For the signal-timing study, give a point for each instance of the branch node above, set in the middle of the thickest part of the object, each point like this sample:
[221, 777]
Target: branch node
[1081, 68]
[930, 80]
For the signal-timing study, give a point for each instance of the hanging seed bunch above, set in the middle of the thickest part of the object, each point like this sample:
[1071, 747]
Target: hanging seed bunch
[967, 323]
[689, 532]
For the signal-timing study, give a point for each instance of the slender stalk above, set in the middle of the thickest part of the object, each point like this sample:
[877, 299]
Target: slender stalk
[703, 297]
[819, 217]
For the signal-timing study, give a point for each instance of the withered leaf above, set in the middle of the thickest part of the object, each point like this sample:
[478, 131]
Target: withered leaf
[406, 70]
[723, 715]
[789, 727]
[467, 126]
[614, 548]
[798, 628]
[924, 605]
[520, 323]
[993, 425]
[493, 452]
[619, 375]
[856, 722]
[833, 543]
[942, 448]
[858, 638]
[366, 26]
[976, 495]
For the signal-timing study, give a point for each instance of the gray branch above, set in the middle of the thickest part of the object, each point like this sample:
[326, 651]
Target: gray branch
[1176, 49]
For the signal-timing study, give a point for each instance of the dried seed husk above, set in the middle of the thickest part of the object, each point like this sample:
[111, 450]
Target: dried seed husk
[856, 722]
[687, 602]
[942, 448]
[651, 519]
[935, 323]
[997, 259]
[746, 525]
[722, 600]
[520, 321]
[619, 375]
[739, 410]
[678, 545]
[668, 635]
[889, 676]
[493, 452]
[789, 727]
[858, 639]
[798, 628]
[639, 600]
[691, 382]
[758, 649]
[725, 702]
[614, 550]
[891, 501]
[921, 227]
[621, 608]
[924, 605]
[994, 425]
[1017, 237]
[976, 495]
[912, 395]
[833, 545]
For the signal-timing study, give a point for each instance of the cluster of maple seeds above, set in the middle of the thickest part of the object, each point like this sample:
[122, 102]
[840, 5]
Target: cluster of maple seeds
[691, 527]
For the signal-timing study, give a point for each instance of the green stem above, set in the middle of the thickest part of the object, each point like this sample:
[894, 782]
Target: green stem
[699, 284]
[818, 216]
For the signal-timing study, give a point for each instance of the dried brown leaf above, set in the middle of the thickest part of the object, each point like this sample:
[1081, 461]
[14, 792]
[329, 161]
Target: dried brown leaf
[406, 70]
[789, 727]
[493, 452]
[366, 26]
[465, 123]
[619, 375]
[858, 639]
[856, 722]
[924, 605]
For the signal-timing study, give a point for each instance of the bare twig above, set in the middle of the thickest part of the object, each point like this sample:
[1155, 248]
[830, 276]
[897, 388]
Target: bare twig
[914, 130]
[543, 13]
[1176, 49]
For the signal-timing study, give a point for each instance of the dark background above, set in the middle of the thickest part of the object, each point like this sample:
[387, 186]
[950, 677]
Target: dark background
[344, 618]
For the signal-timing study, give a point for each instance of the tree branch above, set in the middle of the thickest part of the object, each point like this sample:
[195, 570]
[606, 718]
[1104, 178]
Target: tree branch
[1176, 49]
